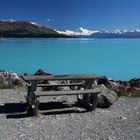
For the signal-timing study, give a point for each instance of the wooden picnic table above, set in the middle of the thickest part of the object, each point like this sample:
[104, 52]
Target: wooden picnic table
[89, 94]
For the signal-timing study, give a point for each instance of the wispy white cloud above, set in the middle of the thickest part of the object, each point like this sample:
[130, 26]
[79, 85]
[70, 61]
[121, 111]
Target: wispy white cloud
[81, 31]
[49, 20]
[8, 20]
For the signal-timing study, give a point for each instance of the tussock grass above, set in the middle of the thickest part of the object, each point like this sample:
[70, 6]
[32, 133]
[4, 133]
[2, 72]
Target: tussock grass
[9, 86]
[4, 86]
[133, 94]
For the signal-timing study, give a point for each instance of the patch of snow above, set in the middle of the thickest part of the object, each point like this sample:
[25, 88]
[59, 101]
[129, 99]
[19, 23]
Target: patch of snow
[33, 23]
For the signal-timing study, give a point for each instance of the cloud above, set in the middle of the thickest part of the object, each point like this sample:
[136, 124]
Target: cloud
[49, 20]
[81, 31]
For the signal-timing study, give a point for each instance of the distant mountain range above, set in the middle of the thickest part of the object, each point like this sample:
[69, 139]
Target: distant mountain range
[12, 28]
[85, 33]
[116, 34]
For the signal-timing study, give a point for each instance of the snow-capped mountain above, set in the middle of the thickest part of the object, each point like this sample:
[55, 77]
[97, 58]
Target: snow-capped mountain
[82, 32]
[13, 28]
[117, 34]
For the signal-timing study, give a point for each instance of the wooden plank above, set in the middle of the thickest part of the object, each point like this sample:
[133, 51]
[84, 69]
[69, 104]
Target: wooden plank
[68, 92]
[57, 85]
[61, 77]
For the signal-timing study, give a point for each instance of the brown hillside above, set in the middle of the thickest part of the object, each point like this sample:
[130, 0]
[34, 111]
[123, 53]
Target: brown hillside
[26, 29]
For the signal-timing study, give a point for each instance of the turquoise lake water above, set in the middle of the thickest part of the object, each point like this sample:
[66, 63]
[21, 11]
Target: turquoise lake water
[115, 58]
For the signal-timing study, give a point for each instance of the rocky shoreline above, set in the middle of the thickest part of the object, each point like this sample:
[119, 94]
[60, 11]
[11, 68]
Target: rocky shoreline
[120, 87]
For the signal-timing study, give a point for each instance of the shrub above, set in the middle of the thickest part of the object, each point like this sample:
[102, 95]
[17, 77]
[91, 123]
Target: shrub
[4, 86]
[133, 94]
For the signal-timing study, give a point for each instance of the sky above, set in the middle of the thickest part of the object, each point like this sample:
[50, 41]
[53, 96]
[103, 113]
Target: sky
[73, 14]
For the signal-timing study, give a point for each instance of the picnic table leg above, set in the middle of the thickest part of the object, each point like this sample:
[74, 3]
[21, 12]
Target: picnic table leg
[32, 101]
[89, 101]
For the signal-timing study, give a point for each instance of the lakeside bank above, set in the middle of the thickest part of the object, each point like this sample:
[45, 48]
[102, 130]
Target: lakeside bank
[130, 87]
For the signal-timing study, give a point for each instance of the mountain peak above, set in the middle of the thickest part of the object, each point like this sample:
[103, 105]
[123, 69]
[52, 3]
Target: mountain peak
[81, 32]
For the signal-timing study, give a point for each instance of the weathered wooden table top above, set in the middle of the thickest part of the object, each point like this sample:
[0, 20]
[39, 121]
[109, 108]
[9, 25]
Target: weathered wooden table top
[62, 77]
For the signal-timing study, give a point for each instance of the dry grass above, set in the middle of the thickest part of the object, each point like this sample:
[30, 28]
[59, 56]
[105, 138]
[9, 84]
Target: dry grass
[131, 94]
[9, 86]
[4, 86]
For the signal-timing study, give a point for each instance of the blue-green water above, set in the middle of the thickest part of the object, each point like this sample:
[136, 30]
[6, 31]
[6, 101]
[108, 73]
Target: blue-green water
[115, 58]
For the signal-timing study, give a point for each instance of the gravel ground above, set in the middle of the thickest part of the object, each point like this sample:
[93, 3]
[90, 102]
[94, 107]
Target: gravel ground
[65, 121]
